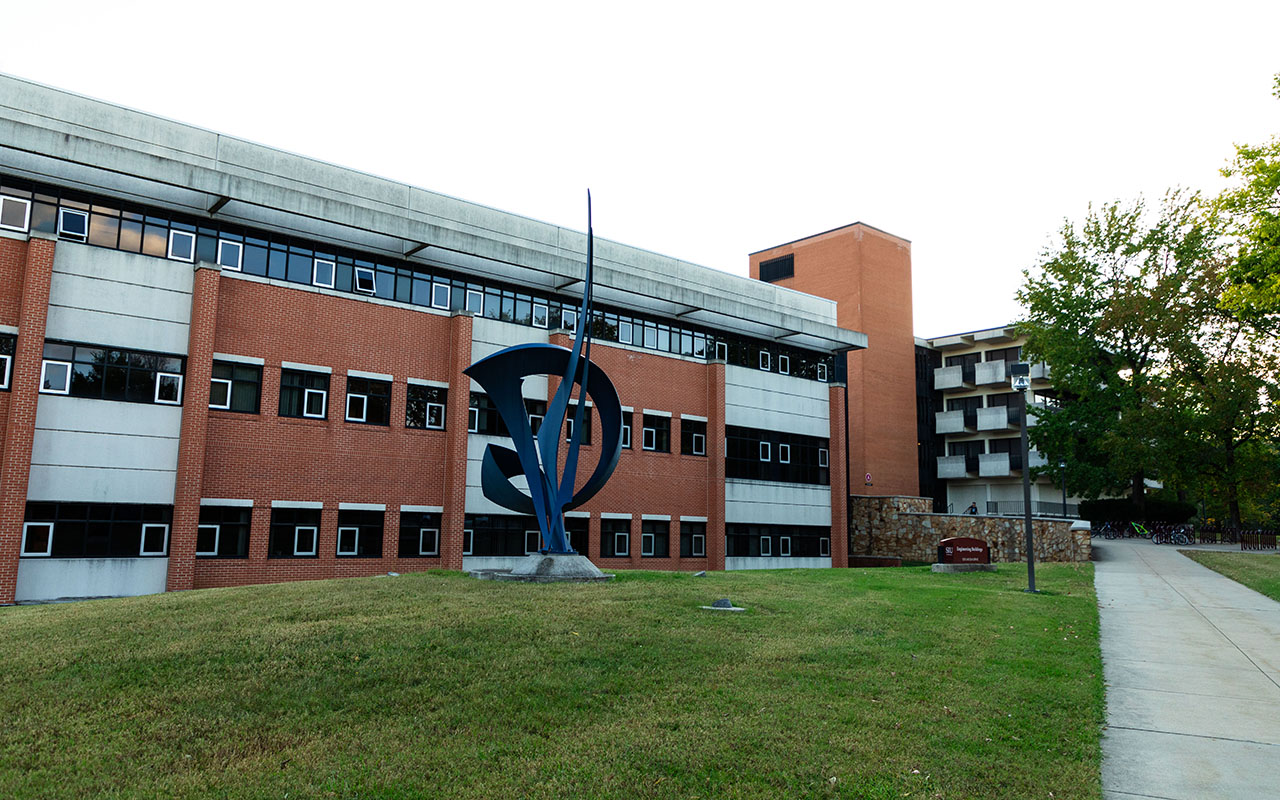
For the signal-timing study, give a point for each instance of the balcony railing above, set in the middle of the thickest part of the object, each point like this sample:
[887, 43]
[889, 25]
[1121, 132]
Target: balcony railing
[948, 378]
[1039, 508]
[989, 372]
[955, 421]
[998, 418]
[956, 466]
[999, 465]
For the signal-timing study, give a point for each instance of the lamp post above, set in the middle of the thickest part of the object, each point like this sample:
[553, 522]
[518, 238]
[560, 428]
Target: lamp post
[1062, 465]
[1020, 380]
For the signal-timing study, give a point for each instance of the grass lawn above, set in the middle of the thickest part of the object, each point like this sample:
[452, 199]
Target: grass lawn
[867, 683]
[1259, 571]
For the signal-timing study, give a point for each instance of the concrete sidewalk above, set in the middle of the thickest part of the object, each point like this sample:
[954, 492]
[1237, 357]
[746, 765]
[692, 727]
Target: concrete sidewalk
[1192, 665]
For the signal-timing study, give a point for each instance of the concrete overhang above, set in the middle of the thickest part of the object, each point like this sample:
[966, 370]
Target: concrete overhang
[54, 136]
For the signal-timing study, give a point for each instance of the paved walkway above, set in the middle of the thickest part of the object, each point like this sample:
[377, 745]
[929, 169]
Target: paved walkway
[1192, 665]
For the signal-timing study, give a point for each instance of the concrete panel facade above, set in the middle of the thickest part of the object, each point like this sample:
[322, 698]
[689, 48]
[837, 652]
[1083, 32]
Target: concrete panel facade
[76, 578]
[769, 401]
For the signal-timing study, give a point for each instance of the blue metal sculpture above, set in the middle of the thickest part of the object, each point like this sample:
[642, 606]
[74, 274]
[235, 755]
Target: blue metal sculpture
[551, 492]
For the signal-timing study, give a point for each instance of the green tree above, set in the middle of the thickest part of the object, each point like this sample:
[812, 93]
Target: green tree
[1251, 208]
[1105, 308]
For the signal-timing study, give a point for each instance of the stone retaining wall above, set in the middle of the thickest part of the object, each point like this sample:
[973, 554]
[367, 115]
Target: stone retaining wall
[906, 527]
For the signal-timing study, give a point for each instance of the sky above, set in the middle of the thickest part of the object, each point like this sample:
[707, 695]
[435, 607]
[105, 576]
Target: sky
[707, 131]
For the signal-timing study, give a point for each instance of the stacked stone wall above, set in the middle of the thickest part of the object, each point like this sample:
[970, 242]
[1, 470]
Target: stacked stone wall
[904, 527]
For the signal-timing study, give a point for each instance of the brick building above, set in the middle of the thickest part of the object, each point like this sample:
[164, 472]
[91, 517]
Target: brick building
[225, 364]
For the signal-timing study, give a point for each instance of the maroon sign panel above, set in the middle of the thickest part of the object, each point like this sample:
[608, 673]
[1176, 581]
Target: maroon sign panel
[963, 550]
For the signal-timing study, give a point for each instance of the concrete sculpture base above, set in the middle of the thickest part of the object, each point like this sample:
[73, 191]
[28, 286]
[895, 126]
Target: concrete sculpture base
[540, 568]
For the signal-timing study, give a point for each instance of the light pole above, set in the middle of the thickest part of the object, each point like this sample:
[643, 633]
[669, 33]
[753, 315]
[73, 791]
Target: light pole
[1020, 379]
[1062, 465]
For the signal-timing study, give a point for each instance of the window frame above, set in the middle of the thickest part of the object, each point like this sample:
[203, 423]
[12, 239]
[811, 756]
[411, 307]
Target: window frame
[160, 376]
[699, 444]
[625, 551]
[354, 530]
[44, 371]
[766, 451]
[428, 425]
[824, 457]
[649, 439]
[324, 403]
[364, 407]
[467, 302]
[784, 365]
[315, 540]
[224, 381]
[722, 351]
[646, 545]
[784, 546]
[435, 291]
[7, 374]
[766, 547]
[698, 545]
[26, 217]
[468, 541]
[315, 273]
[142, 542]
[217, 534]
[784, 453]
[822, 373]
[765, 361]
[365, 272]
[546, 315]
[48, 550]
[537, 541]
[473, 419]
[71, 236]
[627, 326]
[824, 547]
[239, 248]
[175, 233]
[569, 312]
[626, 435]
[435, 548]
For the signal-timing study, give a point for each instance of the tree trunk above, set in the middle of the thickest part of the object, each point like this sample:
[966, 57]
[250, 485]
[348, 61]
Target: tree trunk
[1139, 492]
[1233, 490]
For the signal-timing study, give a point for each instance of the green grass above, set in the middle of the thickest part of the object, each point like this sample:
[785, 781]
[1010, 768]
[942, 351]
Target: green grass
[1259, 571]
[883, 683]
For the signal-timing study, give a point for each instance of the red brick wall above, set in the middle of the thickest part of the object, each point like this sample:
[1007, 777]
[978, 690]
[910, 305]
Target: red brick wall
[20, 412]
[868, 273]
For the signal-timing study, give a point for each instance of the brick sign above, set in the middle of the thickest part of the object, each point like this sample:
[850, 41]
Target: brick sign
[963, 550]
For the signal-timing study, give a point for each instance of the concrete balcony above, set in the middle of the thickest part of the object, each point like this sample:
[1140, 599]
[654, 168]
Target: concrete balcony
[1040, 371]
[999, 465]
[955, 467]
[997, 418]
[953, 422]
[1036, 459]
[988, 373]
[947, 379]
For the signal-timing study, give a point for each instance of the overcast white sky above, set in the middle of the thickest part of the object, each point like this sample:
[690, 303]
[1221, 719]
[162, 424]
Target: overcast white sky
[709, 130]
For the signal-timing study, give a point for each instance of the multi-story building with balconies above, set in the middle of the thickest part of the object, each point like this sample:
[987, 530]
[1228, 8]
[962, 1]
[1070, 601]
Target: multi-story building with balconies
[973, 430]
[223, 364]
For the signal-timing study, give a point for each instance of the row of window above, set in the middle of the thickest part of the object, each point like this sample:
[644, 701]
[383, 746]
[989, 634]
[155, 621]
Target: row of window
[120, 530]
[763, 455]
[27, 206]
[101, 373]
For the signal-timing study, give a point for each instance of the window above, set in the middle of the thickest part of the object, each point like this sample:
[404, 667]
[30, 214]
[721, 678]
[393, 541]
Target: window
[763, 455]
[693, 437]
[764, 451]
[96, 530]
[764, 360]
[73, 224]
[766, 546]
[784, 454]
[656, 433]
[624, 332]
[539, 315]
[532, 541]
[294, 532]
[155, 540]
[235, 387]
[784, 365]
[425, 407]
[182, 246]
[55, 377]
[569, 319]
[475, 301]
[168, 389]
[368, 401]
[483, 417]
[15, 214]
[440, 295]
[655, 538]
[37, 538]
[223, 532]
[777, 269]
[794, 541]
[419, 534]
[304, 394]
[722, 351]
[626, 429]
[822, 457]
[365, 281]
[615, 538]
[824, 547]
[468, 541]
[502, 534]
[693, 539]
[322, 272]
[822, 372]
[586, 423]
[8, 343]
[360, 533]
[230, 255]
[102, 373]
[784, 546]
